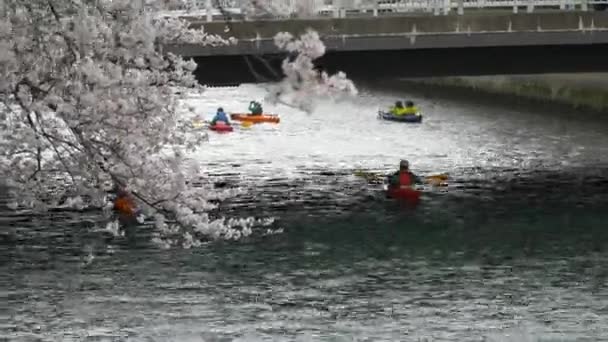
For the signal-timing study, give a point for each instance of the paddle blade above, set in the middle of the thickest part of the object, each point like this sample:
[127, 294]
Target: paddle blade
[198, 124]
[369, 176]
[360, 173]
[437, 180]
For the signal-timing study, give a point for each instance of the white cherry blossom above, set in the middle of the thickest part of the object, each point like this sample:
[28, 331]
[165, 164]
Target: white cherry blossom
[88, 103]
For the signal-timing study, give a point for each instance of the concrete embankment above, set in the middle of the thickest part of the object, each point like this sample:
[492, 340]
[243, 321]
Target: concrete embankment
[579, 90]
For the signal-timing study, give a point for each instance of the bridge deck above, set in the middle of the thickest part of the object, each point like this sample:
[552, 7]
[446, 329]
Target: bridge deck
[412, 32]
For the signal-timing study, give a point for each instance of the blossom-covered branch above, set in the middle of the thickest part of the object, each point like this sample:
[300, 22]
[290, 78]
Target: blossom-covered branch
[88, 104]
[303, 83]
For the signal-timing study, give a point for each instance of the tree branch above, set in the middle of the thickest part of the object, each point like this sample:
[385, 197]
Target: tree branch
[65, 166]
[55, 14]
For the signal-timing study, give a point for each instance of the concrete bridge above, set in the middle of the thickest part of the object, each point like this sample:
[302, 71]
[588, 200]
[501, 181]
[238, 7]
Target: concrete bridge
[417, 45]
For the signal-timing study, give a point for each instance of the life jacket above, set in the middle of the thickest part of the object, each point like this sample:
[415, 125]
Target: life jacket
[404, 111]
[221, 116]
[410, 110]
[405, 179]
[125, 206]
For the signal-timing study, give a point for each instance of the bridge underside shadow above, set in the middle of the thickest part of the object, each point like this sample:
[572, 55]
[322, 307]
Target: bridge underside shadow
[373, 65]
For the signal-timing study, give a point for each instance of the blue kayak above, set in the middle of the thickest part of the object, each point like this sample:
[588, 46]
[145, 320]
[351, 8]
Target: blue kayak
[415, 118]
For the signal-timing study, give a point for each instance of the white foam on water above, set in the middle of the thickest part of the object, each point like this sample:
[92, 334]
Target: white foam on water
[347, 135]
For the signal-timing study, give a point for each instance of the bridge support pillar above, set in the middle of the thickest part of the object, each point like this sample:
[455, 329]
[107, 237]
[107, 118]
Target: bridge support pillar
[515, 6]
[209, 10]
[530, 6]
[460, 7]
[584, 5]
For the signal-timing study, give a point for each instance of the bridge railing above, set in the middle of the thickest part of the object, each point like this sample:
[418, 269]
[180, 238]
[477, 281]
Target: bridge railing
[445, 6]
[222, 10]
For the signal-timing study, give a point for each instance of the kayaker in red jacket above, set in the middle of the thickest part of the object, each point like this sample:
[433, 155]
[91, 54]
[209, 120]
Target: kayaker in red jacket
[125, 206]
[404, 177]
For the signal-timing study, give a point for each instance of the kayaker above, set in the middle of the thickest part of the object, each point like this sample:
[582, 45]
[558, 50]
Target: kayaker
[410, 108]
[124, 204]
[398, 109]
[404, 177]
[255, 108]
[220, 116]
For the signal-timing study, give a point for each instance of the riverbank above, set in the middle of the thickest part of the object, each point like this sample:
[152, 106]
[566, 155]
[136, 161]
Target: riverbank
[580, 90]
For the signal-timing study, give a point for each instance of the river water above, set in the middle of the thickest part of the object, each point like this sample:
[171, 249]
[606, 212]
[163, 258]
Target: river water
[514, 249]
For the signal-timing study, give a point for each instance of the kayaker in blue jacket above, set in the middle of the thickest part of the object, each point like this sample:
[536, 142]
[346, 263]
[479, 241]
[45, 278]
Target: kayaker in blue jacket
[220, 116]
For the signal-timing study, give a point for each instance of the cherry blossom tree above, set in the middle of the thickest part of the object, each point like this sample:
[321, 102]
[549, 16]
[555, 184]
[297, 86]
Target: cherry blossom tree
[88, 104]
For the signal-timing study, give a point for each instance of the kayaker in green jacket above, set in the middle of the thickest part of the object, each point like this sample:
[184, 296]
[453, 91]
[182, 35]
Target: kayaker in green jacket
[255, 108]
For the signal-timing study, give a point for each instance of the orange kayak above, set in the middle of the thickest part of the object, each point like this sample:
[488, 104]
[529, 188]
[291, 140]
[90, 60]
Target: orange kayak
[255, 118]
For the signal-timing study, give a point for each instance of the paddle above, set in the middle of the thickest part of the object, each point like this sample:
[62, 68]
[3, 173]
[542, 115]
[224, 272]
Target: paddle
[374, 177]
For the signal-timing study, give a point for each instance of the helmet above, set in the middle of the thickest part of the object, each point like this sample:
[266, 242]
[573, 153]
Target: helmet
[119, 191]
[404, 164]
[409, 104]
[220, 109]
[398, 104]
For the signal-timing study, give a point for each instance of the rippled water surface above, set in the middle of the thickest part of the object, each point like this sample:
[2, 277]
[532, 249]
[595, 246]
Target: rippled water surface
[514, 249]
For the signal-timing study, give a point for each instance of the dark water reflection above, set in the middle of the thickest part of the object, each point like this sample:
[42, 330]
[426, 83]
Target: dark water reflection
[476, 260]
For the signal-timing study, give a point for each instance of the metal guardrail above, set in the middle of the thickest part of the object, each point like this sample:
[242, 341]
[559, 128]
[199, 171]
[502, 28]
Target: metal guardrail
[280, 9]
